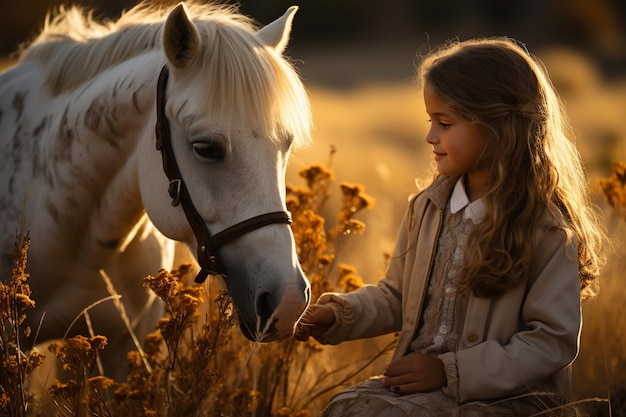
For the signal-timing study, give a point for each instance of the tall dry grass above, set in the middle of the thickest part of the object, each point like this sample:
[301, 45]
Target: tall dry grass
[600, 368]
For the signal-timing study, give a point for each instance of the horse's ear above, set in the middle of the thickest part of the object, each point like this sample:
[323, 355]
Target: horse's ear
[276, 34]
[181, 40]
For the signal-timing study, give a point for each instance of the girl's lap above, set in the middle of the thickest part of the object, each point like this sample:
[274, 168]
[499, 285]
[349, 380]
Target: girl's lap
[371, 399]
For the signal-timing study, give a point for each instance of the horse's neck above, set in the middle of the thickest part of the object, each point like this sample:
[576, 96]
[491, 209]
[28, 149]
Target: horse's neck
[103, 123]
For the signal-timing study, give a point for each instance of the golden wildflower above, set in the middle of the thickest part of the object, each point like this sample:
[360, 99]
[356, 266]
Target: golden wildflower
[20, 258]
[299, 198]
[152, 345]
[101, 382]
[78, 354]
[244, 401]
[283, 412]
[17, 365]
[315, 175]
[34, 360]
[165, 285]
[15, 296]
[182, 270]
[135, 396]
[314, 345]
[186, 306]
[9, 361]
[23, 302]
[5, 400]
[310, 236]
[82, 393]
[348, 279]
[349, 227]
[318, 179]
[614, 188]
[354, 200]
[325, 259]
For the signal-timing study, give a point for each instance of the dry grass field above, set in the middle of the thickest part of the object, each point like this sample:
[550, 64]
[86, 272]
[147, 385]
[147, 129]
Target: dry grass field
[376, 131]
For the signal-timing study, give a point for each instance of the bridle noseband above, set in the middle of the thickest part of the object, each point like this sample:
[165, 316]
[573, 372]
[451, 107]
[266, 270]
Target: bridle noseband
[207, 244]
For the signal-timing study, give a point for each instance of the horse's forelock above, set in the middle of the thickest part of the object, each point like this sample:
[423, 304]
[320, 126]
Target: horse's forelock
[246, 79]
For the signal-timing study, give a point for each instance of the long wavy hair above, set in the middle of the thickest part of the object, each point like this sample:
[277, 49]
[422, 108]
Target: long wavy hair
[531, 158]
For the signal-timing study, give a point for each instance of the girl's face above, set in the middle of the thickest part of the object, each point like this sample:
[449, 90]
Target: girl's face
[457, 143]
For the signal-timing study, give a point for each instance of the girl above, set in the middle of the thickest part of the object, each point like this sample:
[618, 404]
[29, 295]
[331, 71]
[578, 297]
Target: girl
[492, 259]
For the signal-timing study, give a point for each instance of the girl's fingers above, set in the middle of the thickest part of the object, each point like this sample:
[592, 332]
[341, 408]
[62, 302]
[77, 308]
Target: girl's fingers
[302, 332]
[407, 387]
[414, 373]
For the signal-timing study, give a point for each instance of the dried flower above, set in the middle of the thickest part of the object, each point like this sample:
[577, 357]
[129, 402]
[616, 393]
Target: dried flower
[316, 176]
[79, 354]
[614, 188]
[191, 361]
[348, 279]
[17, 364]
[165, 285]
[83, 392]
[354, 200]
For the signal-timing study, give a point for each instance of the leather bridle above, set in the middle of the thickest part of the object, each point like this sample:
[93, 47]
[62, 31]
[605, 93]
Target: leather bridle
[208, 258]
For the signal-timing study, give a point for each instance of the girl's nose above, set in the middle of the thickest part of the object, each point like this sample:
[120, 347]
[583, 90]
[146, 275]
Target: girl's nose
[431, 137]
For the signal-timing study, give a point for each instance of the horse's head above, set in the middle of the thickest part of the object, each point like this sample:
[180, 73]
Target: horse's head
[234, 107]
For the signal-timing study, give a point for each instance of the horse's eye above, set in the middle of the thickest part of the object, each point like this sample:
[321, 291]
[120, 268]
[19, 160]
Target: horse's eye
[213, 150]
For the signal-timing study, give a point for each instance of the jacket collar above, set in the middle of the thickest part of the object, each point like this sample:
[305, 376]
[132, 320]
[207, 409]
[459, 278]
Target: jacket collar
[444, 189]
[440, 190]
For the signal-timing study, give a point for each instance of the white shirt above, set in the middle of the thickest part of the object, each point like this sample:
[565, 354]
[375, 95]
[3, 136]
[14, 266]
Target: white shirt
[474, 210]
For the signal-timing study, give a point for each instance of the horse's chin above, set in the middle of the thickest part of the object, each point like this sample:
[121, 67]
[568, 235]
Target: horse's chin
[269, 334]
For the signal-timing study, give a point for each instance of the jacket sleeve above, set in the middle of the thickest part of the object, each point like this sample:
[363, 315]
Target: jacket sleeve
[372, 310]
[547, 339]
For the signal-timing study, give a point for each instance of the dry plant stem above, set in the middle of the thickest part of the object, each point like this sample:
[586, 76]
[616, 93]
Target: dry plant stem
[293, 401]
[182, 372]
[389, 347]
[82, 393]
[17, 365]
[85, 311]
[569, 406]
[117, 302]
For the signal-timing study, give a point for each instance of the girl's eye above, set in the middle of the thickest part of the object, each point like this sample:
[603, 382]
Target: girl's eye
[444, 125]
[212, 150]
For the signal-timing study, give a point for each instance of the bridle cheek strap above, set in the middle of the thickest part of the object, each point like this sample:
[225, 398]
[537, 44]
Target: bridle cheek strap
[206, 245]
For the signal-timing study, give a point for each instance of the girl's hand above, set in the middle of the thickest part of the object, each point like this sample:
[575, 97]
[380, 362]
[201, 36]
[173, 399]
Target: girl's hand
[315, 321]
[415, 373]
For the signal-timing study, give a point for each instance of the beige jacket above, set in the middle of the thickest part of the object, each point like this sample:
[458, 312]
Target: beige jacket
[523, 341]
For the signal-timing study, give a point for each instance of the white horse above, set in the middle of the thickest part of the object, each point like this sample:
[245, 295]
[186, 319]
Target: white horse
[80, 168]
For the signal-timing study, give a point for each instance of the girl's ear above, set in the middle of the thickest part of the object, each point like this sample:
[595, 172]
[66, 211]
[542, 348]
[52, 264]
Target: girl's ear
[181, 40]
[276, 34]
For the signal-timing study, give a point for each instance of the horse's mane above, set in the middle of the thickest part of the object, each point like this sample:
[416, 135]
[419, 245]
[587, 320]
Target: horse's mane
[74, 46]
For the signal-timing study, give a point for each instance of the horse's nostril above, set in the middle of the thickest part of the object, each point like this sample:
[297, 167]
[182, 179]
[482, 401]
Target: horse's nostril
[264, 306]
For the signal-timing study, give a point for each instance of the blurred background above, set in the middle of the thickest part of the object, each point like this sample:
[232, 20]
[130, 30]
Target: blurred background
[401, 27]
[358, 57]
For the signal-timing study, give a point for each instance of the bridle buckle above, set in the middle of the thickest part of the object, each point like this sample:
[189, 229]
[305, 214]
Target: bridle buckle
[174, 191]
